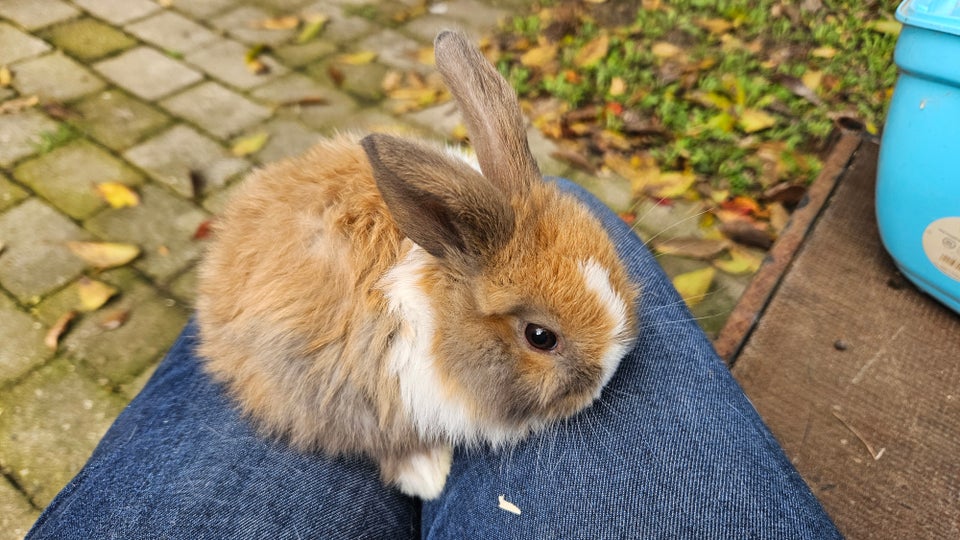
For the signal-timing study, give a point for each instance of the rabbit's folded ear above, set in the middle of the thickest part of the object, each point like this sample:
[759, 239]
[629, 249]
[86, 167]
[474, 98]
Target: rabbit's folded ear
[438, 201]
[490, 110]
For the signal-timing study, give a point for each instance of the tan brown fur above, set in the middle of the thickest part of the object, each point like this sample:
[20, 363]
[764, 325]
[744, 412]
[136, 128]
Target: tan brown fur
[301, 311]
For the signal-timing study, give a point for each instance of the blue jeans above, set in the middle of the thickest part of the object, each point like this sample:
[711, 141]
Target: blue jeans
[672, 449]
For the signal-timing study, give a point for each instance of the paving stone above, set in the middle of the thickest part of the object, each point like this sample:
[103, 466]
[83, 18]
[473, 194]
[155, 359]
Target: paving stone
[153, 323]
[16, 513]
[22, 339]
[393, 49]
[54, 76]
[118, 11]
[364, 81]
[216, 109]
[441, 119]
[26, 14]
[89, 39]
[54, 305]
[66, 177]
[224, 60]
[162, 225]
[473, 15]
[20, 134]
[287, 138]
[116, 119]
[52, 422]
[203, 9]
[36, 259]
[170, 156]
[10, 193]
[243, 25]
[16, 45]
[184, 287]
[147, 73]
[171, 31]
[285, 92]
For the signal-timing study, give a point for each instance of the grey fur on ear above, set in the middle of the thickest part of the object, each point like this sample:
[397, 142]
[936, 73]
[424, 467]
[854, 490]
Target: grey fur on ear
[438, 201]
[490, 110]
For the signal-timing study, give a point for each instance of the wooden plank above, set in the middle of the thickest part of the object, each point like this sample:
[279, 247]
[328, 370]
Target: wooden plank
[754, 300]
[858, 376]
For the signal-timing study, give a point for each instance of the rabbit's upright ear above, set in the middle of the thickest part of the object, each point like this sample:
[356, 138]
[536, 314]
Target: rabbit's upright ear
[490, 110]
[438, 201]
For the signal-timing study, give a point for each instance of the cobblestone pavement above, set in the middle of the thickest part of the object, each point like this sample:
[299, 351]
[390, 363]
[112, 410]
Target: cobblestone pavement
[154, 95]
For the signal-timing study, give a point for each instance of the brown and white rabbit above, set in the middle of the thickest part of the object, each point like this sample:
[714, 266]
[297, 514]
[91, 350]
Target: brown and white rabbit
[385, 297]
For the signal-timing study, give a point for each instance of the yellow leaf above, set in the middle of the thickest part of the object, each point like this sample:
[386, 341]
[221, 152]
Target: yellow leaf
[715, 26]
[357, 58]
[664, 49]
[250, 144]
[824, 52]
[104, 254]
[673, 184]
[640, 171]
[710, 99]
[52, 339]
[118, 195]
[812, 79]
[617, 86]
[315, 24]
[278, 23]
[592, 52]
[752, 121]
[693, 286]
[889, 27]
[6, 77]
[723, 121]
[538, 57]
[425, 56]
[739, 261]
[459, 132]
[93, 294]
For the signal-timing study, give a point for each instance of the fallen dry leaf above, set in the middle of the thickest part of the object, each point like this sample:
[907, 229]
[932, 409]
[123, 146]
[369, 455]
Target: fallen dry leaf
[314, 24]
[253, 62]
[93, 294]
[692, 247]
[277, 23]
[539, 57]
[747, 232]
[716, 26]
[52, 339]
[889, 27]
[671, 185]
[357, 58]
[114, 319]
[18, 104]
[824, 52]
[104, 254]
[693, 286]
[617, 86]
[665, 49]
[118, 195]
[739, 261]
[203, 230]
[6, 76]
[591, 53]
[753, 120]
[249, 144]
[197, 183]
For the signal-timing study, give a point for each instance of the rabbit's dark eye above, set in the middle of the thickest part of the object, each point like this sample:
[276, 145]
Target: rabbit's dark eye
[540, 338]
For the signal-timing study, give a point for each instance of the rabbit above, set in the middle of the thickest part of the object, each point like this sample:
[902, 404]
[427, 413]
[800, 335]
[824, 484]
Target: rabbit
[390, 298]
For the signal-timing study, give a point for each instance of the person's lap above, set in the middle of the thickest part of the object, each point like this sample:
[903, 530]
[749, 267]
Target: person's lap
[672, 449]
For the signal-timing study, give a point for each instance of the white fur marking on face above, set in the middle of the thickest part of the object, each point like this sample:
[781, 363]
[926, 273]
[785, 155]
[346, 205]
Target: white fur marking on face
[424, 475]
[597, 280]
[433, 412]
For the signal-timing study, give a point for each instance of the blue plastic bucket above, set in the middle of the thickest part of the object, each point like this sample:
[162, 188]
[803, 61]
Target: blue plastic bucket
[918, 177]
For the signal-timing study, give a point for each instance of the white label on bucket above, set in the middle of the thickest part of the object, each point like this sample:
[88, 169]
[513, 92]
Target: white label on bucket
[941, 243]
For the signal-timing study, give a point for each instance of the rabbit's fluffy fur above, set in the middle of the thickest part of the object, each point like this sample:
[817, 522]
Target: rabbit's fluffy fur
[371, 296]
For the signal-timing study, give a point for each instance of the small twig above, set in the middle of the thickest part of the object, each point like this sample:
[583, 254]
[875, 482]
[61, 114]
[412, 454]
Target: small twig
[875, 454]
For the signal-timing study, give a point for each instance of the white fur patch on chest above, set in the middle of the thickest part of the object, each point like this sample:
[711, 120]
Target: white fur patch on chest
[433, 411]
[597, 280]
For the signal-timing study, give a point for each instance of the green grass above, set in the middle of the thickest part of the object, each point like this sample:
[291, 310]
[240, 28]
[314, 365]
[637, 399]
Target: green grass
[735, 58]
[50, 140]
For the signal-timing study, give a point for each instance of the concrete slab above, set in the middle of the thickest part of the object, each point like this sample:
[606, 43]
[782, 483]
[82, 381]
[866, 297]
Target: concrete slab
[162, 225]
[10, 193]
[148, 73]
[171, 31]
[22, 337]
[20, 135]
[55, 76]
[16, 513]
[171, 156]
[118, 11]
[32, 16]
[89, 39]
[225, 61]
[216, 109]
[116, 119]
[36, 260]
[16, 45]
[68, 175]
